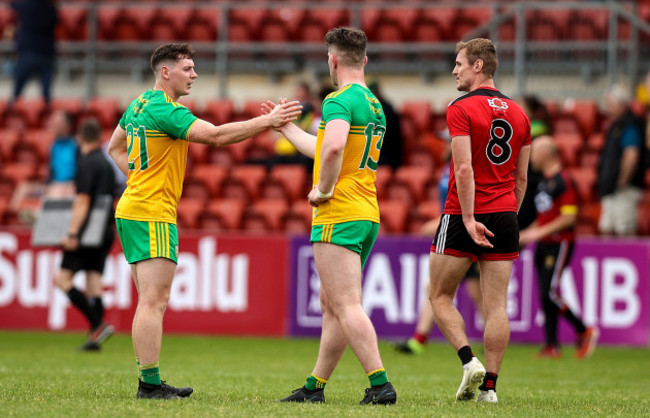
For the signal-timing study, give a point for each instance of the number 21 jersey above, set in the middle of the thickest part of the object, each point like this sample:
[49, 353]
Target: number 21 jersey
[498, 128]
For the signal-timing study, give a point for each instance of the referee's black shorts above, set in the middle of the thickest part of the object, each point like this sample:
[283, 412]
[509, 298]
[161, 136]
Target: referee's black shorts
[86, 258]
[452, 237]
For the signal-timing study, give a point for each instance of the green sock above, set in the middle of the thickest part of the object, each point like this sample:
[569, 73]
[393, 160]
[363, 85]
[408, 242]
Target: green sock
[378, 377]
[137, 363]
[150, 373]
[314, 382]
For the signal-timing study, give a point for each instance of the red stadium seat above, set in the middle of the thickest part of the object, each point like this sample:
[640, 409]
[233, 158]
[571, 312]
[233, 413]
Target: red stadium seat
[211, 176]
[18, 172]
[393, 214]
[41, 141]
[585, 112]
[9, 138]
[384, 176]
[415, 178]
[302, 209]
[116, 25]
[106, 110]
[202, 25]
[195, 189]
[229, 211]
[176, 22]
[73, 23]
[273, 211]
[570, 146]
[31, 111]
[585, 180]
[445, 18]
[248, 18]
[244, 181]
[72, 105]
[293, 178]
[252, 109]
[219, 111]
[643, 227]
[330, 18]
[189, 211]
[405, 18]
[420, 113]
[422, 214]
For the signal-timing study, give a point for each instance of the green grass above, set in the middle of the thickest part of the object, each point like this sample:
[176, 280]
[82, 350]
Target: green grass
[42, 374]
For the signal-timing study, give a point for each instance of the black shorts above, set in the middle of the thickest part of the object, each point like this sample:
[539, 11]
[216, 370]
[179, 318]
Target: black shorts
[453, 239]
[88, 258]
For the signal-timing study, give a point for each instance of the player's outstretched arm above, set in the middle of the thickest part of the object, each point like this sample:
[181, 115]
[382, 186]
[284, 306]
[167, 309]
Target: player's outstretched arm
[117, 150]
[304, 142]
[230, 133]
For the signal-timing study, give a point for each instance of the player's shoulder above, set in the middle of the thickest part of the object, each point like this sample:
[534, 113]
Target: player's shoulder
[343, 94]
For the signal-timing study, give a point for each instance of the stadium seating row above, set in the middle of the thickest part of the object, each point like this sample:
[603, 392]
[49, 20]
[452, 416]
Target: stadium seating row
[149, 22]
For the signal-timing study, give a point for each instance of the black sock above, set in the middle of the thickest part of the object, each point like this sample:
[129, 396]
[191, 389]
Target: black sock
[489, 382]
[98, 307]
[80, 301]
[465, 354]
[577, 323]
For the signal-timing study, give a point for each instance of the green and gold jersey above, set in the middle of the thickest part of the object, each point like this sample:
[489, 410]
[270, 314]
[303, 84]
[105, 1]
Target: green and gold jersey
[355, 195]
[156, 130]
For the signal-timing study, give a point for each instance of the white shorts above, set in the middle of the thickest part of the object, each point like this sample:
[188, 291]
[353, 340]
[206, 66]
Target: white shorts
[620, 212]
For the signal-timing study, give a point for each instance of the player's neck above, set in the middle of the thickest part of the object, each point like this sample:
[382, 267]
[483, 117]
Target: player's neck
[164, 89]
[482, 83]
[351, 77]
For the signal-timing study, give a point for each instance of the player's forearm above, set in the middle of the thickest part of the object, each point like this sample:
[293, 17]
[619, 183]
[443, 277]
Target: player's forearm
[466, 187]
[629, 163]
[117, 149]
[331, 160]
[521, 174]
[80, 209]
[303, 141]
[234, 132]
[558, 224]
[520, 189]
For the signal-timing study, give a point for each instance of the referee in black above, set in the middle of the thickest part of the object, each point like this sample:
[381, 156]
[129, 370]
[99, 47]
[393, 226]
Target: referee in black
[94, 178]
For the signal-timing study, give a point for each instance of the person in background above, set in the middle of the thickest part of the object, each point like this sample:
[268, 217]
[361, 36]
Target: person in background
[621, 168]
[426, 321]
[540, 124]
[35, 44]
[94, 178]
[556, 200]
[391, 154]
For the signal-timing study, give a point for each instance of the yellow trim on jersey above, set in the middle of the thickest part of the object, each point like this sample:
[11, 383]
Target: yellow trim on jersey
[338, 92]
[189, 128]
[569, 210]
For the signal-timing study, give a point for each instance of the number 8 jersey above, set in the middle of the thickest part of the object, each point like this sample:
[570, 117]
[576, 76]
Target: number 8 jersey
[156, 131]
[355, 195]
[498, 128]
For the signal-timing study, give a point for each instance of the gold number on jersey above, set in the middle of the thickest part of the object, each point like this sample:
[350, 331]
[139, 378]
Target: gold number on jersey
[373, 133]
[141, 135]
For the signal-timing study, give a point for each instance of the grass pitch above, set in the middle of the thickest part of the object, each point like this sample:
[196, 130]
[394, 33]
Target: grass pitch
[42, 374]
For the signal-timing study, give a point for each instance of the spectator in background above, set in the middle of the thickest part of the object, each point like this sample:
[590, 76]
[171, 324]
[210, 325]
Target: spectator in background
[391, 149]
[94, 178]
[63, 166]
[540, 124]
[556, 201]
[35, 44]
[540, 120]
[621, 168]
[285, 152]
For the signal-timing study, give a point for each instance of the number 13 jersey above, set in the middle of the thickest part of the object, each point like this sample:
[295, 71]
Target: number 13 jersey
[498, 128]
[355, 195]
[156, 132]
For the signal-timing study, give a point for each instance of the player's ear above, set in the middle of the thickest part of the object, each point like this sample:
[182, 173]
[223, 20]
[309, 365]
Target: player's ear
[478, 65]
[365, 60]
[164, 72]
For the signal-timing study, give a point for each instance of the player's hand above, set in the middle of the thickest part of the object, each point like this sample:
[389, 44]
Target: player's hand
[314, 198]
[281, 113]
[479, 233]
[70, 243]
[527, 236]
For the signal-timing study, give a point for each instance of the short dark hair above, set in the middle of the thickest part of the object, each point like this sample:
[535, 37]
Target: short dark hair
[170, 52]
[483, 49]
[350, 43]
[90, 130]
